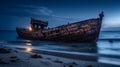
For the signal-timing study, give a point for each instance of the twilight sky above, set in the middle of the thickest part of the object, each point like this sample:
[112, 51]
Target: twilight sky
[17, 13]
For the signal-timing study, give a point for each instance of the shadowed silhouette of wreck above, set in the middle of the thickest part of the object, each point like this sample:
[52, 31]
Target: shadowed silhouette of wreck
[82, 31]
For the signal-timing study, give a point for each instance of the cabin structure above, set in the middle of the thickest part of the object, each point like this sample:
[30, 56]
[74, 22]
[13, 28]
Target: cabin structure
[38, 24]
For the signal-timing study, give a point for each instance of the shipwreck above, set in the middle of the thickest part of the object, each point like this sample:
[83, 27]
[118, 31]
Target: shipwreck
[81, 31]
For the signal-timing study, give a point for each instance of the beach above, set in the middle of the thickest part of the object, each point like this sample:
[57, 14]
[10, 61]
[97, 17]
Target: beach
[11, 57]
[27, 57]
[59, 54]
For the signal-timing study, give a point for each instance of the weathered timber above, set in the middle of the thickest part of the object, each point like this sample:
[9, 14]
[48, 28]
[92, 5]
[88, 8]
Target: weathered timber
[82, 31]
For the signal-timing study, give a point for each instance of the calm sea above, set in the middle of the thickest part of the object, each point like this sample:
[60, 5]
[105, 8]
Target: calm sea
[108, 52]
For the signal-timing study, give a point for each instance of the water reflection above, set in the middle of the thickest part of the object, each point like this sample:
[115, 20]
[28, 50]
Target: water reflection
[28, 47]
[29, 44]
[71, 47]
[109, 53]
[107, 48]
[107, 60]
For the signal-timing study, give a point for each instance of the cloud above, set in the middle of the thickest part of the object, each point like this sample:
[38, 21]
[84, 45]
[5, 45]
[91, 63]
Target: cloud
[26, 11]
[32, 11]
[37, 10]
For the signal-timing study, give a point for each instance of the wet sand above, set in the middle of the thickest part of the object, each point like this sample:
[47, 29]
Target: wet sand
[20, 58]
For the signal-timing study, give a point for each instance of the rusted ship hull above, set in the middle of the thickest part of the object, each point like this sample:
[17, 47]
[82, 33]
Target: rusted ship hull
[83, 31]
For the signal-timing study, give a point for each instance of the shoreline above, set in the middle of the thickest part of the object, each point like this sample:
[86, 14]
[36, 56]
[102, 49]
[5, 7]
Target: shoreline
[73, 55]
[38, 58]
[21, 58]
[80, 56]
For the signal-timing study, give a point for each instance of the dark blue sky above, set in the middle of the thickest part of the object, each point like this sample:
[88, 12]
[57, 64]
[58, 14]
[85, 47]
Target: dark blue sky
[17, 13]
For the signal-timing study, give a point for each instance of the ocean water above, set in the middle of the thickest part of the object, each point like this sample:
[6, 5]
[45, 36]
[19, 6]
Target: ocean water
[107, 52]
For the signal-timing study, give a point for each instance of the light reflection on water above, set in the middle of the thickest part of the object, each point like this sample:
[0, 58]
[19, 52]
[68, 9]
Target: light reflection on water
[29, 44]
[28, 47]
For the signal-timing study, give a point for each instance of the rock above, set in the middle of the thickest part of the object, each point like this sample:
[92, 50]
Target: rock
[57, 61]
[13, 60]
[0, 58]
[70, 65]
[89, 66]
[4, 51]
[48, 58]
[16, 51]
[64, 66]
[10, 49]
[74, 63]
[2, 62]
[13, 57]
[110, 41]
[36, 56]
